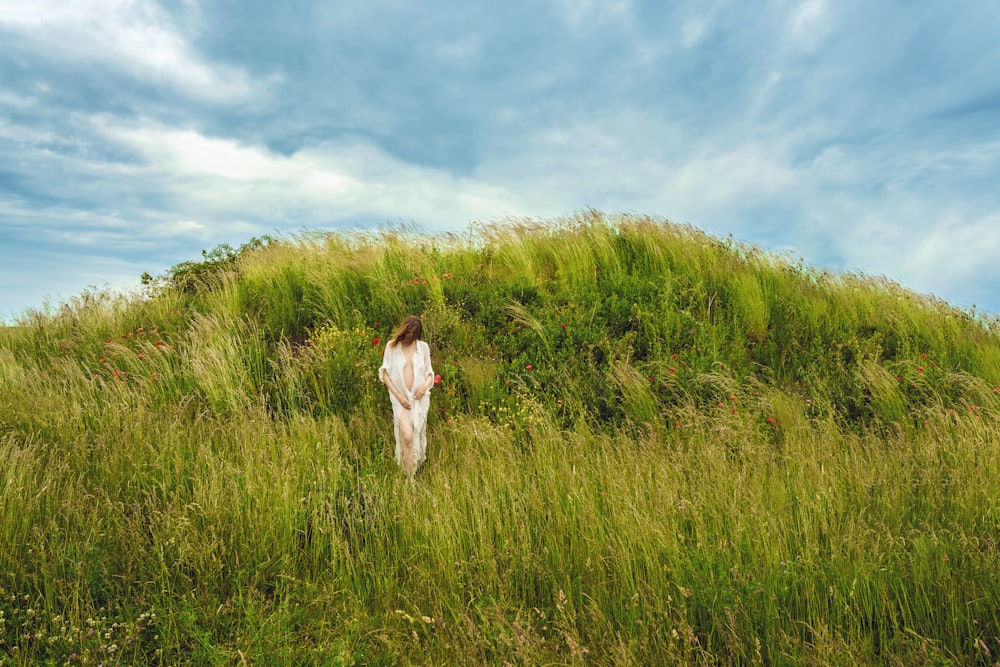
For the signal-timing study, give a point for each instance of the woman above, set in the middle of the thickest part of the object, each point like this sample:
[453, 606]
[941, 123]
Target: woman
[406, 371]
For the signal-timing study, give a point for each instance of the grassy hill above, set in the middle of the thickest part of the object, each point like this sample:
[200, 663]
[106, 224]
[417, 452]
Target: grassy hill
[649, 446]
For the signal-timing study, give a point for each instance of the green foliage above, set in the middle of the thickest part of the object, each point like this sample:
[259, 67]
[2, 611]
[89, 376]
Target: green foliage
[332, 371]
[193, 275]
[648, 446]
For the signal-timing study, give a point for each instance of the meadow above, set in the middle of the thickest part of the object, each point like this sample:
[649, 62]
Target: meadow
[648, 446]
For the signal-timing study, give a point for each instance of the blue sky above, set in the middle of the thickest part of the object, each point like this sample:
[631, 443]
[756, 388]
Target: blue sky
[858, 136]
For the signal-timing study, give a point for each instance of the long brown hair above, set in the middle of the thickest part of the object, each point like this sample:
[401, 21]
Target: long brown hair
[411, 329]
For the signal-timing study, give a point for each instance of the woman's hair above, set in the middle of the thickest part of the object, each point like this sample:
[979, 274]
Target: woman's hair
[411, 329]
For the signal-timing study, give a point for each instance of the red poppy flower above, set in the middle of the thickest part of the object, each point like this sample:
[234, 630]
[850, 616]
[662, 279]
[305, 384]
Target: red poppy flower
[437, 380]
[677, 424]
[673, 356]
[671, 371]
[923, 355]
[142, 355]
[446, 275]
[770, 420]
[528, 367]
[563, 325]
[920, 370]
[375, 340]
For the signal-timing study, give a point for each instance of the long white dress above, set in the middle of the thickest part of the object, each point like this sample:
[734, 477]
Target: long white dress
[393, 361]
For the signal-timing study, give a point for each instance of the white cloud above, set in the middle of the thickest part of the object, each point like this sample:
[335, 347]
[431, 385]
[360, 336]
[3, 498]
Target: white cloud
[930, 246]
[737, 176]
[578, 12]
[461, 51]
[181, 228]
[132, 36]
[639, 162]
[808, 23]
[221, 179]
[955, 248]
[10, 99]
[692, 33]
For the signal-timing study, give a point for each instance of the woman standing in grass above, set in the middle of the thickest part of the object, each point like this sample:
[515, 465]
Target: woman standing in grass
[406, 370]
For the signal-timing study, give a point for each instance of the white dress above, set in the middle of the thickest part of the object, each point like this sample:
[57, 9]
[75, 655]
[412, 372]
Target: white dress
[393, 361]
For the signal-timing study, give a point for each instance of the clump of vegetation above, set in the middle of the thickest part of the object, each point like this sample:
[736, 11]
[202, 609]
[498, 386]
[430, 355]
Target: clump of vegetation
[193, 275]
[648, 446]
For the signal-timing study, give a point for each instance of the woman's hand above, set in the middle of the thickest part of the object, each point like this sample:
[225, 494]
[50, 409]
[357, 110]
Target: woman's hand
[403, 400]
[422, 389]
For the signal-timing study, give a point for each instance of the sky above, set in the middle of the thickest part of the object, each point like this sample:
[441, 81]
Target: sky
[856, 135]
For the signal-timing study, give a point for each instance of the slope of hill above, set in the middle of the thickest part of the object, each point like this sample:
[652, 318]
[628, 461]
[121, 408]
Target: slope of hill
[648, 446]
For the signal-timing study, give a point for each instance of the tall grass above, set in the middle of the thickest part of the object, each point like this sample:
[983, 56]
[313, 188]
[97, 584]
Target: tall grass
[648, 446]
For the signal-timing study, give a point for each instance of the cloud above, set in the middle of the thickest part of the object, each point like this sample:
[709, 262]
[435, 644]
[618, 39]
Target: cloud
[136, 37]
[224, 179]
[10, 99]
[942, 248]
[578, 12]
[692, 33]
[807, 22]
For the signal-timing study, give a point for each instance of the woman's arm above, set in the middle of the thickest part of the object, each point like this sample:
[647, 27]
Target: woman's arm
[429, 378]
[385, 376]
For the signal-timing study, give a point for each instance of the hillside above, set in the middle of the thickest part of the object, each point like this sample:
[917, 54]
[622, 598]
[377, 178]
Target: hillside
[648, 446]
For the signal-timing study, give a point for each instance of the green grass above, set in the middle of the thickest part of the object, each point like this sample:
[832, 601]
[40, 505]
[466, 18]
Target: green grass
[715, 457]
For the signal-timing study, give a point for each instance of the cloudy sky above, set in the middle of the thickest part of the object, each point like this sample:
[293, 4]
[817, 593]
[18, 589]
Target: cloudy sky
[859, 135]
